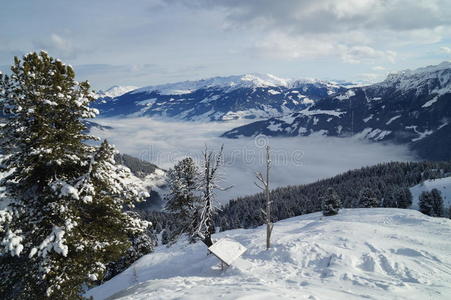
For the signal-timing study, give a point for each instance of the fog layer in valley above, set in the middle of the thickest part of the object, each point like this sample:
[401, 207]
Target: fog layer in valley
[296, 160]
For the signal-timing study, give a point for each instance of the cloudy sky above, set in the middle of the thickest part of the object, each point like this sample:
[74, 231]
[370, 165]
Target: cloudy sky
[145, 42]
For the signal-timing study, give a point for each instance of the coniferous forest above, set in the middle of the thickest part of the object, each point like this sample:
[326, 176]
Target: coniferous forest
[388, 183]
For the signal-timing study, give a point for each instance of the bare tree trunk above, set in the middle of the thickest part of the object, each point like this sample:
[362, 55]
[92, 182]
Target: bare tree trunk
[265, 187]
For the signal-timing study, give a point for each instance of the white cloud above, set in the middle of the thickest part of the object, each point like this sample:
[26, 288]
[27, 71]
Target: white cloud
[56, 45]
[295, 160]
[289, 37]
[371, 77]
[60, 43]
[281, 45]
[305, 16]
[378, 68]
[360, 30]
[446, 50]
[358, 54]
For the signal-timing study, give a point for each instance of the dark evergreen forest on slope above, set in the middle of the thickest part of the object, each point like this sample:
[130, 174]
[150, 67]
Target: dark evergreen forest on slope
[386, 180]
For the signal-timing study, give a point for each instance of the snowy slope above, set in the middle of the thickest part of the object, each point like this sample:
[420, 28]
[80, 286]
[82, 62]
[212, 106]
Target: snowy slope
[361, 253]
[442, 184]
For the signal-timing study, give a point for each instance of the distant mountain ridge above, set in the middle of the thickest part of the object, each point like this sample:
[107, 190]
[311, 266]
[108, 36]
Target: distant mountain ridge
[409, 107]
[220, 98]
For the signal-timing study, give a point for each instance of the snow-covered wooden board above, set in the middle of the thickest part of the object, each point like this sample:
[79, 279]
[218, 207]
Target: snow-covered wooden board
[227, 250]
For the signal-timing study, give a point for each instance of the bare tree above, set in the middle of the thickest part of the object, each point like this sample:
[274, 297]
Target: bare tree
[209, 182]
[265, 187]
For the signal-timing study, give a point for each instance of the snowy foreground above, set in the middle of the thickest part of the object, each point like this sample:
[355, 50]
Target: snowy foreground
[378, 253]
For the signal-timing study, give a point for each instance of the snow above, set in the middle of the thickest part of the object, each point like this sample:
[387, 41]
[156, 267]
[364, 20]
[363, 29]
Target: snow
[65, 189]
[288, 119]
[374, 134]
[227, 250]
[376, 253]
[382, 135]
[392, 119]
[51, 103]
[346, 96]
[264, 111]
[54, 241]
[274, 127]
[273, 92]
[12, 243]
[148, 102]
[442, 184]
[369, 118]
[321, 112]
[421, 135]
[430, 102]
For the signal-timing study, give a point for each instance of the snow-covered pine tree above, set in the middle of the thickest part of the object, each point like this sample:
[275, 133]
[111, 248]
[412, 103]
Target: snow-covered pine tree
[367, 198]
[431, 203]
[399, 197]
[65, 216]
[437, 203]
[425, 203]
[390, 199]
[208, 184]
[404, 197]
[182, 199]
[330, 202]
[116, 234]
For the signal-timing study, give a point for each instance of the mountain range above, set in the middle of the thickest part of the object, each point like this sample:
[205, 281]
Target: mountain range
[248, 96]
[411, 107]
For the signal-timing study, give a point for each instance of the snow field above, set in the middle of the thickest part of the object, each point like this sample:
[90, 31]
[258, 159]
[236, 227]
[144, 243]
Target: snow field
[377, 253]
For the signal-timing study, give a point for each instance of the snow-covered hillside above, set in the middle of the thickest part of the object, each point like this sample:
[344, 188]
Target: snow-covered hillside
[361, 253]
[442, 184]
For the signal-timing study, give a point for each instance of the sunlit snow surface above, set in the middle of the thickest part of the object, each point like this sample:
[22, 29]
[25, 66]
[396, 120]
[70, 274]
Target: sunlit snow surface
[296, 160]
[377, 253]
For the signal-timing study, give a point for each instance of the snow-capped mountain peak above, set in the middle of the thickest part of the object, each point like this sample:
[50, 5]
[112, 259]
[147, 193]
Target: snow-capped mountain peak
[433, 78]
[231, 82]
[429, 69]
[264, 80]
[116, 91]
